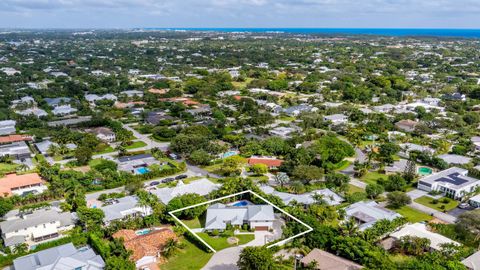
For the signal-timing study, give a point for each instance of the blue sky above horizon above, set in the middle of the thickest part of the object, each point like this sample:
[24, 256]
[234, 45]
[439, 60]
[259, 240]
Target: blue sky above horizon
[240, 13]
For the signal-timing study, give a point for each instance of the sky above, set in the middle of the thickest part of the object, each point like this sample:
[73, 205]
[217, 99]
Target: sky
[240, 13]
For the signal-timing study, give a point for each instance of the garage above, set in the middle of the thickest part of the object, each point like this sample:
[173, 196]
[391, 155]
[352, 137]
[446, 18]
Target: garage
[261, 228]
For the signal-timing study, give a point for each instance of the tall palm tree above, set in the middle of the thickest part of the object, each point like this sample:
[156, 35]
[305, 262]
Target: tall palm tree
[349, 227]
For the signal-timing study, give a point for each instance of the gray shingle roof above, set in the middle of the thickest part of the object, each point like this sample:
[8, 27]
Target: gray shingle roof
[65, 257]
[38, 217]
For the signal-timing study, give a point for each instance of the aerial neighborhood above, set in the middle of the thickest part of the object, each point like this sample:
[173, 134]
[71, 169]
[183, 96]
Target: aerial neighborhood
[176, 150]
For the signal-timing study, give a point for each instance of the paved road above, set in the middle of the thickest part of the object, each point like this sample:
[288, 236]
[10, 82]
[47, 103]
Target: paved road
[358, 183]
[146, 138]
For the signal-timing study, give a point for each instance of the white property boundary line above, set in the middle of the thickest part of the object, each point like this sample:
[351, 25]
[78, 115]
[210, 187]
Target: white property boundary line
[171, 213]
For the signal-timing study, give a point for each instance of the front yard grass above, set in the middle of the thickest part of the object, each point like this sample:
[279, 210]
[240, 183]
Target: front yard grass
[136, 144]
[220, 242]
[342, 165]
[352, 189]
[440, 205]
[7, 168]
[190, 257]
[105, 151]
[372, 177]
[193, 223]
[413, 215]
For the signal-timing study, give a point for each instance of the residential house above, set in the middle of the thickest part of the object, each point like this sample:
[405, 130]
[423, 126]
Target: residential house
[103, 133]
[271, 162]
[132, 93]
[258, 217]
[7, 127]
[34, 227]
[15, 150]
[13, 184]
[406, 148]
[124, 208]
[63, 110]
[137, 164]
[386, 108]
[44, 146]
[59, 101]
[330, 197]
[201, 187]
[473, 261]
[296, 110]
[453, 182]
[327, 261]
[476, 141]
[282, 132]
[10, 71]
[70, 121]
[336, 119]
[14, 138]
[146, 247]
[200, 112]
[455, 96]
[420, 230]
[61, 258]
[406, 125]
[453, 159]
[32, 111]
[367, 213]
[153, 118]
[92, 98]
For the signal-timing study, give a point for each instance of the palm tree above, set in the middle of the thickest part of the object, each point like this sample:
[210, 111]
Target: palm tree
[22, 167]
[63, 149]
[170, 247]
[349, 227]
[20, 248]
[53, 150]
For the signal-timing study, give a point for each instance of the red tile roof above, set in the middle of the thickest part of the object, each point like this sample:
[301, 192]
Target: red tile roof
[150, 244]
[11, 181]
[14, 138]
[270, 162]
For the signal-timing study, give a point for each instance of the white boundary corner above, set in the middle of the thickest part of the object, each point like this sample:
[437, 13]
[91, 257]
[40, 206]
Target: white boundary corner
[309, 229]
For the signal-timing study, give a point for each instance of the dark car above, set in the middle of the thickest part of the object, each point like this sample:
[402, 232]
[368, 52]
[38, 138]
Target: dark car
[168, 180]
[154, 183]
[182, 176]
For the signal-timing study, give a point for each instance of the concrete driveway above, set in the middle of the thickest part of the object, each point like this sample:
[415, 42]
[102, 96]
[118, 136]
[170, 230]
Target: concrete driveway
[226, 259]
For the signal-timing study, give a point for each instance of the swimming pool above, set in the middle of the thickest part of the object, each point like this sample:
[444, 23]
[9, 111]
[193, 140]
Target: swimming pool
[241, 203]
[143, 232]
[229, 154]
[424, 171]
[142, 170]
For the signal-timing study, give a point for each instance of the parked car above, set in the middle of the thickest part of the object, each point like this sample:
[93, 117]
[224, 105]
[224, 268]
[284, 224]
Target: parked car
[154, 183]
[168, 180]
[464, 206]
[182, 176]
[173, 156]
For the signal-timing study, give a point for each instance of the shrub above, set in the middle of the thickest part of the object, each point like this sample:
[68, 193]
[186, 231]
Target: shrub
[214, 233]
[435, 201]
[445, 200]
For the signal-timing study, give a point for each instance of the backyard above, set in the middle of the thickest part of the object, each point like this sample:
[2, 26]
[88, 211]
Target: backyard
[372, 177]
[441, 204]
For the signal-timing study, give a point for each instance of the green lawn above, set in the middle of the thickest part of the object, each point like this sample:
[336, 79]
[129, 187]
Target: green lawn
[413, 215]
[219, 243]
[342, 165]
[7, 168]
[193, 224]
[105, 151]
[190, 257]
[136, 144]
[372, 177]
[352, 189]
[428, 201]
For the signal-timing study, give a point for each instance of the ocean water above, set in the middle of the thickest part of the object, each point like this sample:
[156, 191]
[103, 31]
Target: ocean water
[432, 32]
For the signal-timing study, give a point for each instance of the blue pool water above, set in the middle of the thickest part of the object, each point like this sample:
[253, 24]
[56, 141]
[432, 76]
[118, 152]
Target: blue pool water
[241, 203]
[229, 154]
[142, 170]
[143, 232]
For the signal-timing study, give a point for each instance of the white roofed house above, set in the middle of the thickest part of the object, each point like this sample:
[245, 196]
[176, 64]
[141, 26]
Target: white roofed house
[103, 133]
[132, 93]
[201, 187]
[92, 98]
[453, 159]
[420, 230]
[330, 197]
[7, 127]
[258, 217]
[64, 257]
[35, 226]
[283, 132]
[367, 213]
[453, 182]
[124, 208]
[336, 119]
[63, 110]
[406, 148]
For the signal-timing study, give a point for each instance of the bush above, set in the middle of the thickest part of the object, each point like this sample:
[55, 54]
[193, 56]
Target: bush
[214, 232]
[398, 199]
[435, 201]
[245, 227]
[445, 200]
